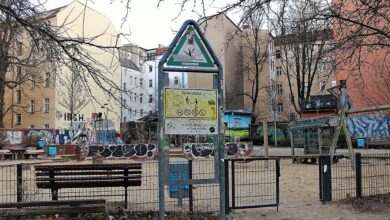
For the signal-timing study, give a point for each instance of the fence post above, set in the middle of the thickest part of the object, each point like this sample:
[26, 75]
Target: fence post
[19, 182]
[190, 194]
[326, 178]
[358, 170]
[227, 205]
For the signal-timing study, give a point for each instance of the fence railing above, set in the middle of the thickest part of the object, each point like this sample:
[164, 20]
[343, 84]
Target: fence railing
[252, 182]
[370, 175]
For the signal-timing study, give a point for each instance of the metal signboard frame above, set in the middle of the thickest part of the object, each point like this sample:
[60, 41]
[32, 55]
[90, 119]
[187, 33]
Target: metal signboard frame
[190, 51]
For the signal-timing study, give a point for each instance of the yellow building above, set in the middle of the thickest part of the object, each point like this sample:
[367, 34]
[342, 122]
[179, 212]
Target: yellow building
[39, 102]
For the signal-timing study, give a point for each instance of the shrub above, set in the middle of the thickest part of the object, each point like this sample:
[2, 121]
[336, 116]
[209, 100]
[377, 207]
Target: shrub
[31, 141]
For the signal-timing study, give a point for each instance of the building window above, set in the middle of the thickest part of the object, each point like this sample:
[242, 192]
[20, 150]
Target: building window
[131, 80]
[46, 126]
[32, 82]
[280, 107]
[141, 98]
[141, 81]
[18, 119]
[135, 80]
[279, 89]
[135, 112]
[334, 83]
[124, 86]
[135, 97]
[142, 112]
[32, 126]
[150, 68]
[176, 81]
[124, 102]
[19, 48]
[277, 54]
[47, 103]
[150, 83]
[290, 98]
[130, 111]
[305, 88]
[278, 71]
[47, 80]
[124, 119]
[18, 96]
[322, 85]
[150, 98]
[32, 106]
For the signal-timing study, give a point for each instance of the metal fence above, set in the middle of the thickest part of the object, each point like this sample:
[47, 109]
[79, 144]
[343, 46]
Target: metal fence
[370, 175]
[18, 184]
[252, 182]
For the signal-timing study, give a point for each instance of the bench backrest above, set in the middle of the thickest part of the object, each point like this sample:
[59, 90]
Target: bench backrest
[88, 175]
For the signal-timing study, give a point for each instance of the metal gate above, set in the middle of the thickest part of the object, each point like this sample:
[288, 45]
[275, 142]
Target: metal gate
[252, 182]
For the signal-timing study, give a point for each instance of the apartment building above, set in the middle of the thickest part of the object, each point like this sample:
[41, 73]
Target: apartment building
[140, 81]
[224, 37]
[39, 103]
[315, 74]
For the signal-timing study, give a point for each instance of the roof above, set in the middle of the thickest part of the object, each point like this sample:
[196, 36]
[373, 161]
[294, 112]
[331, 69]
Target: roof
[128, 64]
[150, 117]
[314, 122]
[325, 34]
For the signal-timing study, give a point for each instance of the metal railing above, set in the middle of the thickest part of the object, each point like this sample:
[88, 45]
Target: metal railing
[370, 175]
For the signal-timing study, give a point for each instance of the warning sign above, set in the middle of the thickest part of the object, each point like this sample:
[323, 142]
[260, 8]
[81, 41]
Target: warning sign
[190, 103]
[190, 51]
[191, 111]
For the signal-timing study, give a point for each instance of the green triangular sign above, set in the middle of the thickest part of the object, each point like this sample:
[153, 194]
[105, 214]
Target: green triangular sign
[190, 51]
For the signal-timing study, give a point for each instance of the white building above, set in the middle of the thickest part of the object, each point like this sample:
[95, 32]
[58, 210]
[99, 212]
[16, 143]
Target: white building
[139, 81]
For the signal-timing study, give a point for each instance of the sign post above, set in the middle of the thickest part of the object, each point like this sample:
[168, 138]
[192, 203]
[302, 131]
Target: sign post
[190, 111]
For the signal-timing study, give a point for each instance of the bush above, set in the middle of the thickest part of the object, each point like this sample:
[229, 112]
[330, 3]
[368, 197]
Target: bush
[31, 141]
[3, 140]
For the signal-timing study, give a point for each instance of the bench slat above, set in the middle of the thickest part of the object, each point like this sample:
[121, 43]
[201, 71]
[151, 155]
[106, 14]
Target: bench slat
[120, 166]
[82, 179]
[60, 185]
[52, 203]
[53, 210]
[65, 173]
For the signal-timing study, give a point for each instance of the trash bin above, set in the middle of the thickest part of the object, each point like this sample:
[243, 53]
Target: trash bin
[178, 170]
[361, 143]
[51, 151]
[41, 143]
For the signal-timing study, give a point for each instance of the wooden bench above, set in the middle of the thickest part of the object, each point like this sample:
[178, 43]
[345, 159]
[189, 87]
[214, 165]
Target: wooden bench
[50, 208]
[57, 177]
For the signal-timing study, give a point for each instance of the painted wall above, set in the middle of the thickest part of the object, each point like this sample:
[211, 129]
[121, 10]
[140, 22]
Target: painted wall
[374, 126]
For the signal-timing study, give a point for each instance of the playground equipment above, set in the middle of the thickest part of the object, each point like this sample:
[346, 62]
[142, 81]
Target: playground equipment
[314, 134]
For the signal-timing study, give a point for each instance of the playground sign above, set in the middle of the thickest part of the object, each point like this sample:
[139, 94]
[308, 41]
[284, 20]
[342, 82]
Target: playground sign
[191, 111]
[190, 51]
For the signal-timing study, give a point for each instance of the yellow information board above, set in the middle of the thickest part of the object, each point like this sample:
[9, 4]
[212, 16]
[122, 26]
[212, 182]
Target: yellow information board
[191, 103]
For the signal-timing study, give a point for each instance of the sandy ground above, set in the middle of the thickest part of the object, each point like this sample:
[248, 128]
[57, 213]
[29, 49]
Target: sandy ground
[299, 193]
[299, 199]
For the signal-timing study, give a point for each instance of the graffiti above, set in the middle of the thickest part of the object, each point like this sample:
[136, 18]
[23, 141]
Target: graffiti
[14, 137]
[205, 150]
[198, 150]
[369, 126]
[136, 151]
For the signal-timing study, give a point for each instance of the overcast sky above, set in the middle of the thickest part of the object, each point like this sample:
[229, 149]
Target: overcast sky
[148, 25]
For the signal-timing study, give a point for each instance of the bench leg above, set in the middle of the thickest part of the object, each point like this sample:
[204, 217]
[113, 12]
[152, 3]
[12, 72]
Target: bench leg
[126, 198]
[54, 194]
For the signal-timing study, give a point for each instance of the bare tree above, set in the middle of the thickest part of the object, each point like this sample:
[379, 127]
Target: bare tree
[26, 24]
[73, 96]
[255, 58]
[303, 48]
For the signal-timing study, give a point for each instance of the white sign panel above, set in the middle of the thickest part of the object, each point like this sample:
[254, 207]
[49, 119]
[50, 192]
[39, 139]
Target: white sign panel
[190, 126]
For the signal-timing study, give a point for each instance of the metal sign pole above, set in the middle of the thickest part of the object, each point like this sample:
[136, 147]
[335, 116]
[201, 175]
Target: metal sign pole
[190, 52]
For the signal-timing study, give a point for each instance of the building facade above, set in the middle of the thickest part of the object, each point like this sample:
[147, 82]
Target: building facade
[41, 101]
